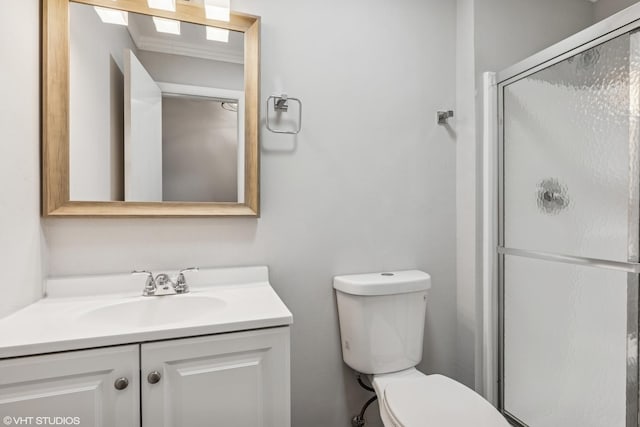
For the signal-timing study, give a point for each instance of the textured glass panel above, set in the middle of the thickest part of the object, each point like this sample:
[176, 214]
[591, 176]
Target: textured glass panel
[564, 344]
[566, 141]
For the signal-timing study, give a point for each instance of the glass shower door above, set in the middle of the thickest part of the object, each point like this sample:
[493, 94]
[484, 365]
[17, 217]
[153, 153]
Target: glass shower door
[569, 240]
[565, 344]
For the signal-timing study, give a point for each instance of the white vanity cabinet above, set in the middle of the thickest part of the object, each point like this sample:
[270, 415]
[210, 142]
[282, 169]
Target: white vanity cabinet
[78, 387]
[239, 379]
[232, 380]
[215, 356]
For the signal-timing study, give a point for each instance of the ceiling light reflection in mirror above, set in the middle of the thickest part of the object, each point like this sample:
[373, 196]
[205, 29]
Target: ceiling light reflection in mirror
[218, 34]
[168, 5]
[164, 25]
[219, 10]
[214, 9]
[112, 16]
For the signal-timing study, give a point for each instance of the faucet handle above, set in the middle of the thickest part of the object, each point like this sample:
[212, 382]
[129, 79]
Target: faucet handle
[184, 270]
[137, 272]
[181, 282]
[150, 284]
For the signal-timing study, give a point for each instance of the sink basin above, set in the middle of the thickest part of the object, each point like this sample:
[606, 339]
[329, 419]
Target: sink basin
[151, 311]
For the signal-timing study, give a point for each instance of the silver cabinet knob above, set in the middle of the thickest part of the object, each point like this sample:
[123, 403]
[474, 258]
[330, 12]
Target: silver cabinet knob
[121, 383]
[154, 377]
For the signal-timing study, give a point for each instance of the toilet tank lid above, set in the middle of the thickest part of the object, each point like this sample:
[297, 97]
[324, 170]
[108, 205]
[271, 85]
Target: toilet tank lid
[385, 283]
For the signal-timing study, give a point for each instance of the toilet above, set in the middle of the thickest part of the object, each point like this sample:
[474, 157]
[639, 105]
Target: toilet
[382, 319]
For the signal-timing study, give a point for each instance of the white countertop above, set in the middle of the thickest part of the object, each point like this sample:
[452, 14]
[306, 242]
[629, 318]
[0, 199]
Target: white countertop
[241, 299]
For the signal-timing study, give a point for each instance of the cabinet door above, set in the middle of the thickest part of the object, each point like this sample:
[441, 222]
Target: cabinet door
[231, 380]
[77, 386]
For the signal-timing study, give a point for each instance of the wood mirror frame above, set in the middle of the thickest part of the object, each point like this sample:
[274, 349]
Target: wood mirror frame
[55, 116]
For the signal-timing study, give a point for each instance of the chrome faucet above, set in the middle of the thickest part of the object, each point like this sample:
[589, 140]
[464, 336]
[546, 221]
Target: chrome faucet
[163, 284]
[150, 284]
[181, 286]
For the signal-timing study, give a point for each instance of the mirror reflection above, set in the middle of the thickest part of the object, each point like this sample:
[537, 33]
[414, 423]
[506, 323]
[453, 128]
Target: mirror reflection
[156, 109]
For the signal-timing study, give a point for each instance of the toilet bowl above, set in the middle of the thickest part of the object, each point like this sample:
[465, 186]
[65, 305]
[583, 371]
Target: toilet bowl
[381, 329]
[412, 399]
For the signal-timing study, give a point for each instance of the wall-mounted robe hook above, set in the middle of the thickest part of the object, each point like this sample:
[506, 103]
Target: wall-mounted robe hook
[444, 116]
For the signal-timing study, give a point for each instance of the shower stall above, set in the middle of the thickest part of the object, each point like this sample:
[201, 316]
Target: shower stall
[567, 230]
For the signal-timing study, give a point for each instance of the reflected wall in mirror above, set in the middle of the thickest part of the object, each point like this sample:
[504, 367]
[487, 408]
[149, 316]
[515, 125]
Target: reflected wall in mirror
[162, 110]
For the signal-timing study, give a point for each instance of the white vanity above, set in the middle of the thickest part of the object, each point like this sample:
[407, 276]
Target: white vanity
[97, 353]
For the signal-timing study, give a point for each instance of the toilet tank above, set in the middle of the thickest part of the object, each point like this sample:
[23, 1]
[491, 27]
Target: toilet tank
[382, 319]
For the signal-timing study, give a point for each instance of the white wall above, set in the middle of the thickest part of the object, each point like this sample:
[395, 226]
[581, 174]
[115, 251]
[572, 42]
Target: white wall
[21, 242]
[368, 185]
[606, 8]
[465, 123]
[508, 31]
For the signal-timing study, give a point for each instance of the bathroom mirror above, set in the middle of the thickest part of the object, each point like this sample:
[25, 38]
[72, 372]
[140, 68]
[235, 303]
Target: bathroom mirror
[149, 112]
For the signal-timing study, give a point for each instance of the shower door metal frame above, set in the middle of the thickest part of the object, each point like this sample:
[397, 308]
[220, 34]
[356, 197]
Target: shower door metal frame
[624, 22]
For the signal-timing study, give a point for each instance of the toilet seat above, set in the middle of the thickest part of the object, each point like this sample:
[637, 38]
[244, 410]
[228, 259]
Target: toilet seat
[412, 399]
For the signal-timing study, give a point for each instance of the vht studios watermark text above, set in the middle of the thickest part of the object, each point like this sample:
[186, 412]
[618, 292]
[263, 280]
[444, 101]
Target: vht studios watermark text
[41, 421]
